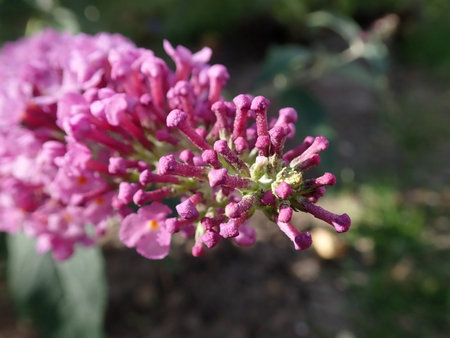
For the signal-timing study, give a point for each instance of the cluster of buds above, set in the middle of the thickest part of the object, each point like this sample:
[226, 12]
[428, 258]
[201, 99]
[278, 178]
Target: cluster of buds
[94, 130]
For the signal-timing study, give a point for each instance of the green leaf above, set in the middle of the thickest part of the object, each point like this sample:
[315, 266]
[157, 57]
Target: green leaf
[64, 299]
[361, 75]
[343, 26]
[284, 60]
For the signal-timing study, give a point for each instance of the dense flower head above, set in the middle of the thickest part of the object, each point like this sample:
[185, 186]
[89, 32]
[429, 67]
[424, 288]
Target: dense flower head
[94, 129]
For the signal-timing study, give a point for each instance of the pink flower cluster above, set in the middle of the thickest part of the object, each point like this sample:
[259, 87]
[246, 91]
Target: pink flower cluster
[94, 130]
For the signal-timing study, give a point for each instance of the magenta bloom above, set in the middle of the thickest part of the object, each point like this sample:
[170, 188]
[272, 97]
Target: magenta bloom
[147, 232]
[93, 129]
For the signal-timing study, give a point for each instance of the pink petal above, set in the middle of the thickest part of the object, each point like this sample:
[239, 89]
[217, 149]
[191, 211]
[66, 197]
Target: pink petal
[202, 56]
[154, 244]
[156, 211]
[132, 229]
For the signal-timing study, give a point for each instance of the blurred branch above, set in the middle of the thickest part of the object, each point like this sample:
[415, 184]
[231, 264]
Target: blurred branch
[51, 14]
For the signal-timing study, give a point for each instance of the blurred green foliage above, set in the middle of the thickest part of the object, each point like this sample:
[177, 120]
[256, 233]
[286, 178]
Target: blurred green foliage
[400, 276]
[63, 299]
[424, 24]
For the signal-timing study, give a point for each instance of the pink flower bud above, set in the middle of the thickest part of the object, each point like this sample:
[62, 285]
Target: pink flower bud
[171, 225]
[168, 165]
[142, 197]
[202, 132]
[182, 58]
[340, 222]
[198, 250]
[174, 224]
[178, 119]
[230, 156]
[268, 198]
[218, 76]
[301, 241]
[325, 179]
[278, 137]
[220, 177]
[187, 210]
[147, 177]
[198, 161]
[259, 106]
[241, 144]
[242, 103]
[209, 223]
[211, 238]
[221, 111]
[187, 156]
[291, 154]
[156, 69]
[316, 194]
[287, 115]
[235, 210]
[309, 162]
[285, 214]
[117, 165]
[283, 190]
[210, 157]
[126, 192]
[183, 91]
[263, 144]
[115, 109]
[320, 143]
[217, 177]
[229, 229]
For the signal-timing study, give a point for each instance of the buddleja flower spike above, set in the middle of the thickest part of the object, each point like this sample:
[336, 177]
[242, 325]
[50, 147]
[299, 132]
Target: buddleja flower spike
[93, 128]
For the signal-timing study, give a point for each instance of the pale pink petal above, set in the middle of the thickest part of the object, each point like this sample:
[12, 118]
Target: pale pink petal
[132, 229]
[168, 48]
[155, 211]
[154, 244]
[202, 56]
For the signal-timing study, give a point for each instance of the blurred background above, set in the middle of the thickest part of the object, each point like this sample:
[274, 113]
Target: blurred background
[373, 77]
